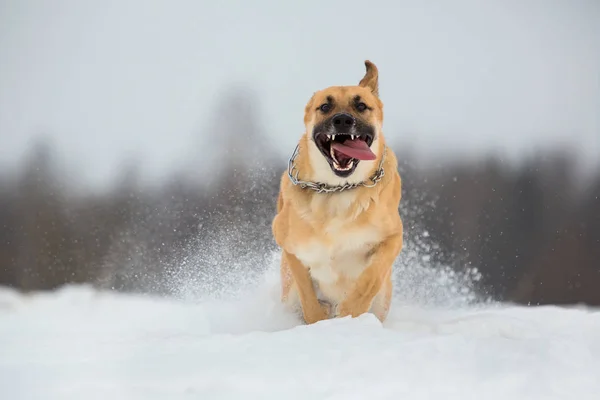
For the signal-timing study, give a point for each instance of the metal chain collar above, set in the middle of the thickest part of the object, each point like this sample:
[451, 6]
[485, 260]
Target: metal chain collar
[323, 187]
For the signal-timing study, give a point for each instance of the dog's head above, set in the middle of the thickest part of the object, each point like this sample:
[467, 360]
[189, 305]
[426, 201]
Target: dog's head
[343, 130]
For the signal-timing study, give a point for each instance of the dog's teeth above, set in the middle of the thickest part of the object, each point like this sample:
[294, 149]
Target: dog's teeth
[340, 168]
[333, 137]
[352, 137]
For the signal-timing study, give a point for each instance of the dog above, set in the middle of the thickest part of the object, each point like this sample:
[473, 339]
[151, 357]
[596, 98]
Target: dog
[337, 222]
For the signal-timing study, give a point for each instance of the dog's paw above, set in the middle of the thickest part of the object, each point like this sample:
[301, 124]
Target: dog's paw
[319, 312]
[351, 309]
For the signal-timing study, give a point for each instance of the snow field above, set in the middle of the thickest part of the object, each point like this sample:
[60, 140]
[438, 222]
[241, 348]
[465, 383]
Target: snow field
[79, 342]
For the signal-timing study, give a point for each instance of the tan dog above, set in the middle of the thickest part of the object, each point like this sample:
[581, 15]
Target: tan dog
[337, 219]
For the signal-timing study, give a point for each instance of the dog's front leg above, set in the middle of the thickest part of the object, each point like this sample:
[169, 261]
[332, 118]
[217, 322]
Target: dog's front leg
[369, 283]
[312, 310]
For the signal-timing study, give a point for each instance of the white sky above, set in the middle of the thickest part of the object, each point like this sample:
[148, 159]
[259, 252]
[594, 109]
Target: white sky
[117, 79]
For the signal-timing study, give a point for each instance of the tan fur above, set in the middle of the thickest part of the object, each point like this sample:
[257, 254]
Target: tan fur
[338, 248]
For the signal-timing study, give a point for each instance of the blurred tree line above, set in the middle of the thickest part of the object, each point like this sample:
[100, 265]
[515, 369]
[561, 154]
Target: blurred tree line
[531, 230]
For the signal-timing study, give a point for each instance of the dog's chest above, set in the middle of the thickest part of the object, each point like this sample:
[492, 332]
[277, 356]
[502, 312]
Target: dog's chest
[338, 252]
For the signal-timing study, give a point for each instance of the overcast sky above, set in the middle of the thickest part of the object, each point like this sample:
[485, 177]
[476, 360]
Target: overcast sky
[116, 79]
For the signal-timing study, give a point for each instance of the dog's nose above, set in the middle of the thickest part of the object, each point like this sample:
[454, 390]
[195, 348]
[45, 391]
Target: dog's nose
[343, 122]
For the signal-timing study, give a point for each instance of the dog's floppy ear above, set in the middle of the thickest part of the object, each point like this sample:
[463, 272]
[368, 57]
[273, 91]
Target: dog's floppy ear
[371, 78]
[308, 108]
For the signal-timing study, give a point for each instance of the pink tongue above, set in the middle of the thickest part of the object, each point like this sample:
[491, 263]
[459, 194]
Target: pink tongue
[355, 148]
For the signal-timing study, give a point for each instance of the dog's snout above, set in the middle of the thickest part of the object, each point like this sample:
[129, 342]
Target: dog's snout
[343, 122]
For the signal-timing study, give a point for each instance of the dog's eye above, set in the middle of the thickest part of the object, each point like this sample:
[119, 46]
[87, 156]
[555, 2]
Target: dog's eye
[325, 107]
[361, 107]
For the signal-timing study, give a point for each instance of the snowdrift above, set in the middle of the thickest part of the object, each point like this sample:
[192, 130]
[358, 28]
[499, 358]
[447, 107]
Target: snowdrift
[81, 343]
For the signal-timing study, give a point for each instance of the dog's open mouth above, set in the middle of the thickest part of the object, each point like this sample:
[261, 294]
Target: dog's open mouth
[344, 151]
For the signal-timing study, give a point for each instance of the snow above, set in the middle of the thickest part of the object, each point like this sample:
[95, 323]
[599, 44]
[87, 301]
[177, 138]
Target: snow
[82, 343]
